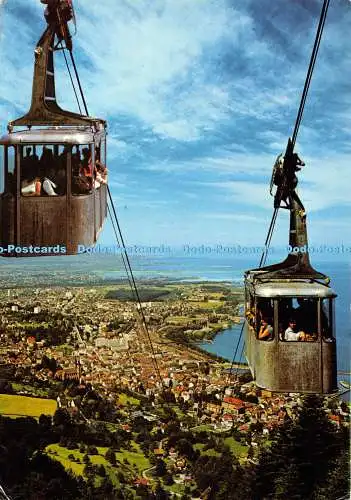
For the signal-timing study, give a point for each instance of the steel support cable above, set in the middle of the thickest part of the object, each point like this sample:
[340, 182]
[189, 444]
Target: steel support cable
[317, 42]
[3, 494]
[79, 84]
[235, 352]
[70, 76]
[268, 238]
[122, 255]
[126, 267]
[141, 311]
[310, 70]
[241, 357]
[121, 244]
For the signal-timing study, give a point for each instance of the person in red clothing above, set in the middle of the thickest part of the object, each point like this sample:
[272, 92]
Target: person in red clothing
[86, 168]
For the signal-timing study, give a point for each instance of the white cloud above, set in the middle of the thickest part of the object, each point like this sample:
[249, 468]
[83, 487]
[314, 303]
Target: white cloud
[234, 217]
[146, 58]
[324, 183]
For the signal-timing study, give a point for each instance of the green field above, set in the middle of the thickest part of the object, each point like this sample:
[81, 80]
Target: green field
[23, 406]
[208, 304]
[123, 399]
[239, 450]
[61, 454]
[211, 452]
[135, 458]
[32, 391]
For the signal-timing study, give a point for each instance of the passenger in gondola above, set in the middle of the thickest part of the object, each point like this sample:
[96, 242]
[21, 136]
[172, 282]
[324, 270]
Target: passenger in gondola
[55, 181]
[47, 171]
[26, 165]
[251, 315]
[46, 160]
[266, 330]
[80, 182]
[326, 327]
[290, 334]
[100, 168]
[62, 158]
[100, 172]
[86, 168]
[30, 175]
[307, 337]
[90, 172]
[306, 315]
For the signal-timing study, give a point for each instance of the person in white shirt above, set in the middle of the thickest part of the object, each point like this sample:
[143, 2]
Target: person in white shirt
[290, 334]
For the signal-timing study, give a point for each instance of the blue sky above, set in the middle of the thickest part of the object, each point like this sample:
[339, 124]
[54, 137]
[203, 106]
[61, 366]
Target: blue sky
[201, 96]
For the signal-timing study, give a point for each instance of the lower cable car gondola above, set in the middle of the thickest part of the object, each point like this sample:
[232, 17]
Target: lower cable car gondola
[53, 187]
[289, 330]
[290, 342]
[289, 307]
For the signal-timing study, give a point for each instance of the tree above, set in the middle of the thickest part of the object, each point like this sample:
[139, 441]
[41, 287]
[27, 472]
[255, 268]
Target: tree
[160, 493]
[337, 482]
[88, 470]
[302, 457]
[92, 450]
[250, 452]
[110, 456]
[61, 417]
[120, 477]
[101, 471]
[5, 387]
[168, 479]
[161, 468]
[185, 448]
[45, 421]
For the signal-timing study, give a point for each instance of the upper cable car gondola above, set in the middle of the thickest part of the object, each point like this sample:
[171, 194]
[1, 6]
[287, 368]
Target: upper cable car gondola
[53, 187]
[289, 307]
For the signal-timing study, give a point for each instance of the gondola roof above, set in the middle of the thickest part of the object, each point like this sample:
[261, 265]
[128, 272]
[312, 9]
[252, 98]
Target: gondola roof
[55, 135]
[293, 289]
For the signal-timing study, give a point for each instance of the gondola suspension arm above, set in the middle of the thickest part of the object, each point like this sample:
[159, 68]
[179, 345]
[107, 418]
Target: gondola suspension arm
[291, 160]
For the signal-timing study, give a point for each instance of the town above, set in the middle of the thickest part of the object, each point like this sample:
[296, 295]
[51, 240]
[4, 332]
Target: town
[80, 346]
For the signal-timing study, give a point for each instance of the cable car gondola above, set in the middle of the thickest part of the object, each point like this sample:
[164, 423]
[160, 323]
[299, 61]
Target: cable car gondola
[54, 192]
[289, 306]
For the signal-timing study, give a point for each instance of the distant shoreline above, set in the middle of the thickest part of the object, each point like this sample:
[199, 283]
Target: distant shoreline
[121, 281]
